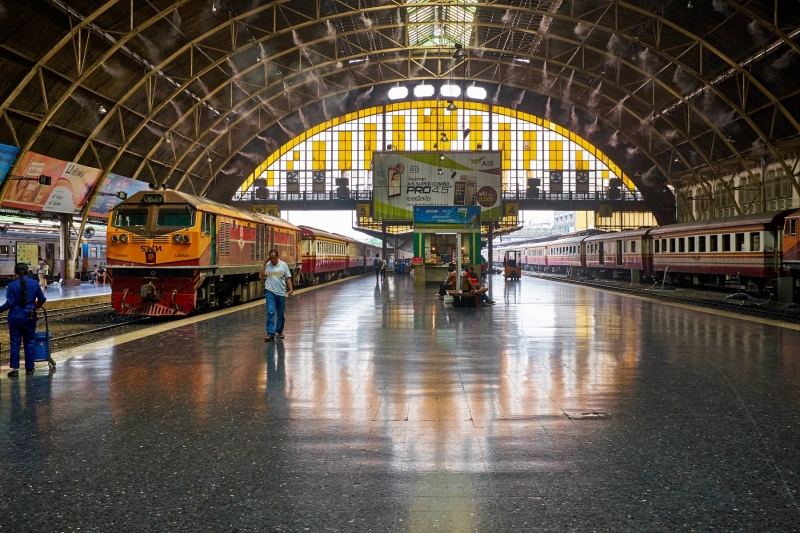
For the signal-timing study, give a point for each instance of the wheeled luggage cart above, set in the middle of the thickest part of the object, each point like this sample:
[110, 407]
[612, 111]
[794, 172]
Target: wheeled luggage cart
[41, 348]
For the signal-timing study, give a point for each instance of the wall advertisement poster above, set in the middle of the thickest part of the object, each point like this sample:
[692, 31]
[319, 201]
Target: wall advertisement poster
[70, 185]
[7, 156]
[112, 185]
[403, 180]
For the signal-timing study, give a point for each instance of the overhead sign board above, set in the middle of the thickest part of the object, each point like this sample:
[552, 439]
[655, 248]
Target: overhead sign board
[114, 184]
[7, 156]
[404, 180]
[465, 219]
[69, 187]
[272, 210]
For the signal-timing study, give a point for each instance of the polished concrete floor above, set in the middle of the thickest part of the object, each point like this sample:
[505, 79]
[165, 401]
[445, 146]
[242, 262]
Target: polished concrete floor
[385, 409]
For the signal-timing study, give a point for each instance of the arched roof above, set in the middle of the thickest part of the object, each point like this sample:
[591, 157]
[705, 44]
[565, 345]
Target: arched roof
[693, 87]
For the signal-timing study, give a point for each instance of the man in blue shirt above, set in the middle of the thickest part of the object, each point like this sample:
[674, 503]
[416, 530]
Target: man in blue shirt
[277, 279]
[23, 297]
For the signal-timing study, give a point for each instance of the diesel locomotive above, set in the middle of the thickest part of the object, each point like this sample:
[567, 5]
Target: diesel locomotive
[169, 253]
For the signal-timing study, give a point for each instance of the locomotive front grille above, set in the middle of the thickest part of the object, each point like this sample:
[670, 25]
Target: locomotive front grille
[161, 239]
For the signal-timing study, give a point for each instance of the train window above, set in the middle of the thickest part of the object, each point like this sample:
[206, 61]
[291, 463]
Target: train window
[633, 247]
[682, 244]
[176, 217]
[691, 244]
[713, 247]
[657, 246]
[726, 242]
[664, 246]
[739, 242]
[672, 245]
[794, 226]
[701, 243]
[4, 251]
[755, 242]
[93, 251]
[129, 217]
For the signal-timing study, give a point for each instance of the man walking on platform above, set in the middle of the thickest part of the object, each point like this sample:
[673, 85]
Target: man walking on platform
[277, 279]
[377, 264]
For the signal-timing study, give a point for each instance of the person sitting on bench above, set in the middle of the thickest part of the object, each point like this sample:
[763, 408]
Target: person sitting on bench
[449, 284]
[476, 284]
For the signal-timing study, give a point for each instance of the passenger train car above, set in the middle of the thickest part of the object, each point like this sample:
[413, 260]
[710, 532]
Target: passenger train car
[328, 256]
[170, 253]
[705, 252]
[27, 241]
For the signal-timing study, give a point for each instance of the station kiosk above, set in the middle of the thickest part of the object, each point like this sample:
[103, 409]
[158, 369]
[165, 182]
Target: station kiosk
[445, 235]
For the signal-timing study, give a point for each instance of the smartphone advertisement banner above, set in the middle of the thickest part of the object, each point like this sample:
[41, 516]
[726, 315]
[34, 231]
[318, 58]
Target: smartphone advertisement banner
[69, 187]
[112, 185]
[7, 156]
[403, 180]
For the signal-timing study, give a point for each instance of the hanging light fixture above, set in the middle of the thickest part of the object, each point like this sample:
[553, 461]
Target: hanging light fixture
[441, 157]
[101, 109]
[208, 158]
[467, 132]
[440, 172]
[459, 53]
[444, 138]
[451, 106]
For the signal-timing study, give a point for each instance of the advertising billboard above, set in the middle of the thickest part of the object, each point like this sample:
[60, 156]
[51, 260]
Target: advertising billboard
[403, 180]
[70, 185]
[112, 185]
[466, 219]
[7, 156]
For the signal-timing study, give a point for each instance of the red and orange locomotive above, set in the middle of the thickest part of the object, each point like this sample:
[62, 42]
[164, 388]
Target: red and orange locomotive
[169, 253]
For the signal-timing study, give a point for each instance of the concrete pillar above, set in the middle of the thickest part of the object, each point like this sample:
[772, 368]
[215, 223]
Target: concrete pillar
[785, 286]
[491, 246]
[383, 241]
[67, 268]
[419, 275]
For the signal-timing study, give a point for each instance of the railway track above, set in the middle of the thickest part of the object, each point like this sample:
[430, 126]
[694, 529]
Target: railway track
[55, 313]
[745, 307]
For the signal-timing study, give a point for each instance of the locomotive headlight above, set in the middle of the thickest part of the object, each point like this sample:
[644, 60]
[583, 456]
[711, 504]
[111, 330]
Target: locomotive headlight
[123, 238]
[185, 238]
[114, 238]
[177, 238]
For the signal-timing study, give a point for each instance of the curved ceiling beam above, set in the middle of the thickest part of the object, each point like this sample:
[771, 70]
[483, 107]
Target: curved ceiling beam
[42, 62]
[53, 109]
[640, 71]
[311, 22]
[783, 36]
[711, 48]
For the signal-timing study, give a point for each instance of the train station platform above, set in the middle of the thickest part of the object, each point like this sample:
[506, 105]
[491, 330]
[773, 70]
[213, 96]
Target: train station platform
[562, 408]
[56, 292]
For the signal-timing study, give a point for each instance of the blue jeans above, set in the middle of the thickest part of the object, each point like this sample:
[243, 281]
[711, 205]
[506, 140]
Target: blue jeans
[276, 305]
[19, 330]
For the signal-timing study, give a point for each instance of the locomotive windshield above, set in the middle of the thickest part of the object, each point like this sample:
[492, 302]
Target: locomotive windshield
[130, 217]
[175, 217]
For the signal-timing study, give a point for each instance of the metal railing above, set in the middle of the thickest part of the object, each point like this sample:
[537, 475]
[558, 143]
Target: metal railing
[625, 195]
[366, 195]
[280, 196]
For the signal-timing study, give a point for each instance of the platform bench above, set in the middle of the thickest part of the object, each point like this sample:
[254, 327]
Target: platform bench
[465, 298]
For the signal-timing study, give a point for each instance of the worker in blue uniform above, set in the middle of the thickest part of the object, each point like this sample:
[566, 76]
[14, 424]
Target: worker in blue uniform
[23, 297]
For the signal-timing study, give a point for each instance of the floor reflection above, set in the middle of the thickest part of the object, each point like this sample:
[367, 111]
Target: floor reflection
[387, 409]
